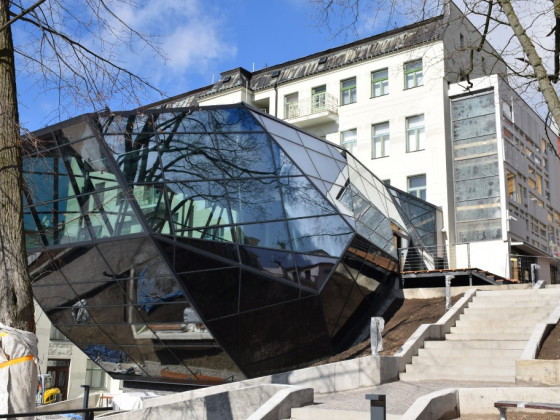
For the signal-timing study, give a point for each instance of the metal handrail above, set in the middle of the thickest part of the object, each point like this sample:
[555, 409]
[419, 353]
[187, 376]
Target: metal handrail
[439, 257]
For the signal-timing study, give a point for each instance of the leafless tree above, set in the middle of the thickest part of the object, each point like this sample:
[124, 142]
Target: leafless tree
[69, 45]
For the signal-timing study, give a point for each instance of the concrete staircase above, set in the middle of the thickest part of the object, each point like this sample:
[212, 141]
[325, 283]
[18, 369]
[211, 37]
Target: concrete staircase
[487, 339]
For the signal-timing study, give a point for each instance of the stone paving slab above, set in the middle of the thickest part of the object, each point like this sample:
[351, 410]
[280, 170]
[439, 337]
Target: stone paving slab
[400, 395]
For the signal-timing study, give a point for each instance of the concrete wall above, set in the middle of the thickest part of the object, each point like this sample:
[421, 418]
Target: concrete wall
[254, 402]
[474, 403]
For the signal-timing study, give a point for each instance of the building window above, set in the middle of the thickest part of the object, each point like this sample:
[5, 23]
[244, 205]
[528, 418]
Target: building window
[318, 99]
[349, 140]
[413, 74]
[417, 186]
[512, 192]
[379, 83]
[348, 91]
[291, 106]
[57, 335]
[95, 376]
[380, 140]
[415, 133]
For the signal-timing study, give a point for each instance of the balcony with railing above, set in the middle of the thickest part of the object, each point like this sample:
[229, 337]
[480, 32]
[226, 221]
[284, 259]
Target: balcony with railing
[319, 109]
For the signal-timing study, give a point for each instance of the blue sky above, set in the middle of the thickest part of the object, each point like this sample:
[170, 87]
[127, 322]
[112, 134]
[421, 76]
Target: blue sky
[201, 39]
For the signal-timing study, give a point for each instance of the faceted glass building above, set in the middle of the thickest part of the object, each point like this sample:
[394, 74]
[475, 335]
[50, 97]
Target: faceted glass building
[209, 244]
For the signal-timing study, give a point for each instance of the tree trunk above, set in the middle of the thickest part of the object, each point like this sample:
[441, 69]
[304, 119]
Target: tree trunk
[16, 300]
[19, 381]
[545, 86]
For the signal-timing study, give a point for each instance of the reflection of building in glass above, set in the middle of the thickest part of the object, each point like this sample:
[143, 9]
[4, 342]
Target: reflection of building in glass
[208, 244]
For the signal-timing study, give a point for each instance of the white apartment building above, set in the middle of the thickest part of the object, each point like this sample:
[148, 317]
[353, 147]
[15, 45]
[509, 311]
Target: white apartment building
[396, 101]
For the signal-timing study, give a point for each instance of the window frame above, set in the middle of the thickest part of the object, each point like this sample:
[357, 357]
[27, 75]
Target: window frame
[319, 98]
[380, 80]
[354, 142]
[414, 72]
[287, 103]
[417, 191]
[352, 90]
[383, 138]
[91, 369]
[420, 140]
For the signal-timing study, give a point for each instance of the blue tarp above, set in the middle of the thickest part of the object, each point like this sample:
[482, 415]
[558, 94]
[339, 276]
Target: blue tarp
[151, 291]
[102, 353]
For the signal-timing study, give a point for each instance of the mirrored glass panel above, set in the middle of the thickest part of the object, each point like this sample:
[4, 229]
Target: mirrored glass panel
[326, 166]
[198, 209]
[189, 122]
[313, 270]
[255, 200]
[215, 292]
[280, 129]
[284, 165]
[273, 262]
[298, 155]
[328, 235]
[266, 235]
[246, 155]
[302, 199]
[220, 249]
[261, 292]
[191, 157]
[314, 143]
[234, 119]
[152, 202]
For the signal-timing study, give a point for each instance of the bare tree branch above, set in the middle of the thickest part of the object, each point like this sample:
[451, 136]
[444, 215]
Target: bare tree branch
[20, 15]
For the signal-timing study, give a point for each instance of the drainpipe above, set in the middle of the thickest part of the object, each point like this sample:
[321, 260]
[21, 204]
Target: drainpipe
[276, 99]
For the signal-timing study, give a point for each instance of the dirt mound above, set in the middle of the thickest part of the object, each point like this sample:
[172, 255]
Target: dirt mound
[403, 318]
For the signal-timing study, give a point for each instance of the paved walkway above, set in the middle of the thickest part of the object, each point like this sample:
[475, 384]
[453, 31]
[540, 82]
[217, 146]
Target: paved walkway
[400, 395]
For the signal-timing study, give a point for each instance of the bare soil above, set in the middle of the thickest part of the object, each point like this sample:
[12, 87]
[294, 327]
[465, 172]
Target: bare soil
[403, 318]
[550, 349]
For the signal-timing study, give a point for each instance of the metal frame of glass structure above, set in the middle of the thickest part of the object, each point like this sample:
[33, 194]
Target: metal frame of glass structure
[209, 244]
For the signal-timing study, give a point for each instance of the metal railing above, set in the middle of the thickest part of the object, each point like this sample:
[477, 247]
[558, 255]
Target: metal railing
[441, 257]
[320, 102]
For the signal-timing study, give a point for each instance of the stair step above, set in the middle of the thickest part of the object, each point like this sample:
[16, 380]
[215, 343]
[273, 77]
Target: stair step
[492, 304]
[537, 317]
[517, 298]
[501, 292]
[311, 413]
[493, 355]
[487, 336]
[467, 322]
[431, 370]
[465, 361]
[476, 344]
[414, 377]
[496, 330]
[508, 311]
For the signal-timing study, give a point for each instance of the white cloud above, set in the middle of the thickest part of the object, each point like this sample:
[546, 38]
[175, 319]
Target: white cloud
[190, 35]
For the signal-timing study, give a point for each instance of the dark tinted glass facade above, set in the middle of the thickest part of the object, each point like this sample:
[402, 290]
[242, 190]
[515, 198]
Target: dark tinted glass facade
[209, 244]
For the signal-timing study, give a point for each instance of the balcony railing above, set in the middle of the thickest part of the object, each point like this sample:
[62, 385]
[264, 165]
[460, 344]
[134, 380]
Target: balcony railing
[317, 104]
